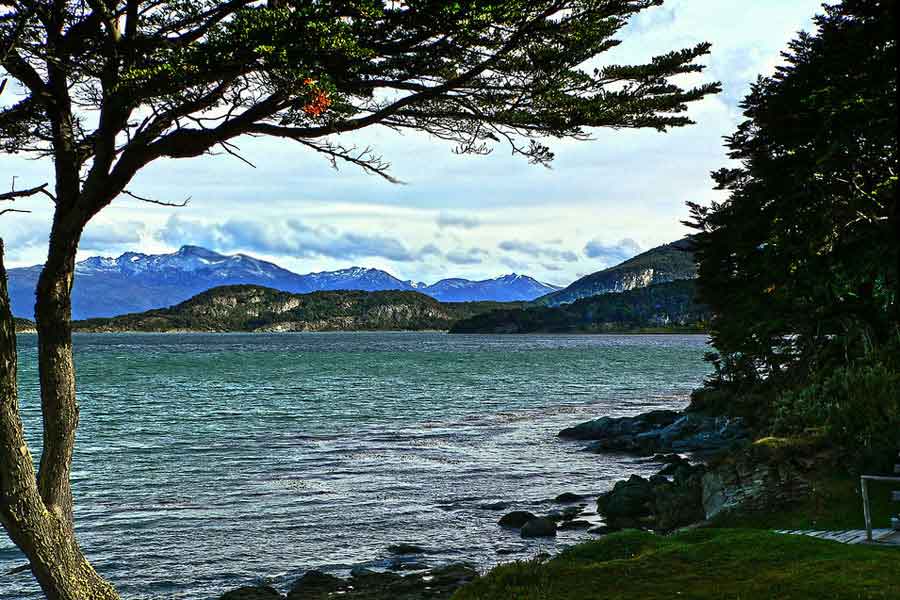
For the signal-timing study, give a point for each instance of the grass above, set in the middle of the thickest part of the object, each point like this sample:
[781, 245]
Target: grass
[703, 563]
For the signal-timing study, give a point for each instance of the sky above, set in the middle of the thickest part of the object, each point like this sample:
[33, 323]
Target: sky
[603, 200]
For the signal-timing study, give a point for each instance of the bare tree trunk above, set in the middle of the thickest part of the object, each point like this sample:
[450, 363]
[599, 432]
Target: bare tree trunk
[42, 530]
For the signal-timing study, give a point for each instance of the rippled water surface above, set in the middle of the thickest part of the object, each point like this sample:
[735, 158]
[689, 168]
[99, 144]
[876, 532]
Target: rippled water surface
[205, 462]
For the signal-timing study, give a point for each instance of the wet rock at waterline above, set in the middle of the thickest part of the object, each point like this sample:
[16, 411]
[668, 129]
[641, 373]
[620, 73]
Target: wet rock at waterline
[516, 519]
[437, 584]
[252, 593]
[539, 527]
[660, 431]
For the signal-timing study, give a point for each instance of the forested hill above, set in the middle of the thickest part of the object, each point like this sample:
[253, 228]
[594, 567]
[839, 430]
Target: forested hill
[669, 306]
[670, 262]
[23, 325]
[255, 308]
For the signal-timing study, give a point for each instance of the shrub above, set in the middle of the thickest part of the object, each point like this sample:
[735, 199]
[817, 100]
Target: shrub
[856, 407]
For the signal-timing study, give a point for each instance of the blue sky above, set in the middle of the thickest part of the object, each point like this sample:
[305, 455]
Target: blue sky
[477, 217]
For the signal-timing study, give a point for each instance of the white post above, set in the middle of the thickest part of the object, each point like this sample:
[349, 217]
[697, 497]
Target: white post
[865, 495]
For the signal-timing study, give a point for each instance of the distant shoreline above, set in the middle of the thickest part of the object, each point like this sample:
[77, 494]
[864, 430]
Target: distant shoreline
[333, 331]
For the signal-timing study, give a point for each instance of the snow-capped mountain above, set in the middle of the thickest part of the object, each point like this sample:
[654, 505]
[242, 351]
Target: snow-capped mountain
[508, 288]
[136, 282]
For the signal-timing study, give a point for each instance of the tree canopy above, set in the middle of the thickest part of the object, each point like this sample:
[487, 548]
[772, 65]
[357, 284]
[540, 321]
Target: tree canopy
[800, 262]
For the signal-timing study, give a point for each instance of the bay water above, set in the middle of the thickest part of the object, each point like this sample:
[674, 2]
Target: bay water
[209, 461]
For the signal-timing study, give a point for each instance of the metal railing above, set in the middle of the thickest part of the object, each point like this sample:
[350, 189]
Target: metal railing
[867, 511]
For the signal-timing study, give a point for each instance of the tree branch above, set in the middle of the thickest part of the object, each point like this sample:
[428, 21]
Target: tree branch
[159, 202]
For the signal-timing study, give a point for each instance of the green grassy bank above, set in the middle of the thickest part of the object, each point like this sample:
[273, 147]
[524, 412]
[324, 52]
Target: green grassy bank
[703, 563]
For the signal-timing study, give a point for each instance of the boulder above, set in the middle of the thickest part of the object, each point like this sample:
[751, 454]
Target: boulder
[403, 548]
[631, 499]
[262, 592]
[516, 518]
[494, 506]
[615, 427]
[315, 585]
[567, 498]
[660, 431]
[539, 527]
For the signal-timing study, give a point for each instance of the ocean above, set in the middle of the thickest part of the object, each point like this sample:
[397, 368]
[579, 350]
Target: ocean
[209, 461]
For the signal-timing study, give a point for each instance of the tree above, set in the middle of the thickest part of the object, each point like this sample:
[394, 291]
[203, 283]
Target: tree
[106, 87]
[801, 264]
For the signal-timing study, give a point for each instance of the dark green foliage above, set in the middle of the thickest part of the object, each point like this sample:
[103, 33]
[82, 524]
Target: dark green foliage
[800, 263]
[254, 308]
[857, 407]
[471, 72]
[670, 262]
[666, 307]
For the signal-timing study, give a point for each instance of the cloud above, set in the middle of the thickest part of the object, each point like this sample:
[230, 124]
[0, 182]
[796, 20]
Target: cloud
[537, 250]
[472, 256]
[101, 236]
[291, 237]
[610, 254]
[455, 220]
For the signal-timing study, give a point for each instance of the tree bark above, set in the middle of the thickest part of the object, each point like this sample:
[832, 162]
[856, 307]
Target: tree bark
[43, 531]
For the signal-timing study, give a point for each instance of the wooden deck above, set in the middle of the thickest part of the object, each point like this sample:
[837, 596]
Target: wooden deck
[880, 537]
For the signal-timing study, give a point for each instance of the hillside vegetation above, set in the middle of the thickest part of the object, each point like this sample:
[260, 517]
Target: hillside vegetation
[663, 264]
[23, 325]
[670, 306]
[255, 308]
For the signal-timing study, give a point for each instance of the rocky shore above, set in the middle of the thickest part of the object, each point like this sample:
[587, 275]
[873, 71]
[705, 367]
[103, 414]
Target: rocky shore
[709, 467]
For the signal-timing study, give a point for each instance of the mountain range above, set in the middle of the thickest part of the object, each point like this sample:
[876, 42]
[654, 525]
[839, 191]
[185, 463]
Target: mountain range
[136, 282]
[663, 264]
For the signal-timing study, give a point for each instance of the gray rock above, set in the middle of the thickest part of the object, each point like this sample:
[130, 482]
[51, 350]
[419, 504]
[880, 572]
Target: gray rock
[252, 593]
[567, 498]
[660, 431]
[494, 506]
[403, 548]
[539, 527]
[516, 519]
[315, 585]
[612, 427]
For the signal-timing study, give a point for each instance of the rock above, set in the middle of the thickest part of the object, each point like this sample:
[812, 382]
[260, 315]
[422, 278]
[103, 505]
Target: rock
[673, 465]
[567, 498]
[632, 498]
[539, 527]
[494, 506]
[412, 565]
[660, 431]
[405, 549]
[453, 575]
[679, 503]
[516, 519]
[252, 593]
[611, 427]
[749, 485]
[576, 524]
[315, 585]
[570, 512]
